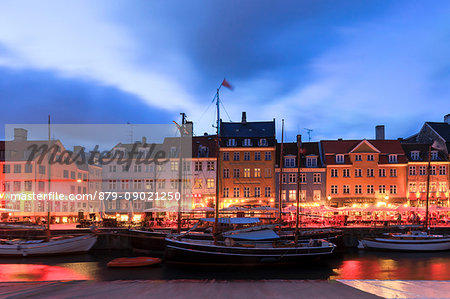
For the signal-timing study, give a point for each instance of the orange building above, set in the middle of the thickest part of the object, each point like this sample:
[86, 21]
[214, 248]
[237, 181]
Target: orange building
[247, 163]
[365, 172]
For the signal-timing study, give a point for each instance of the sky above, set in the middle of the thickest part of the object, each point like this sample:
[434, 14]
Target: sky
[337, 67]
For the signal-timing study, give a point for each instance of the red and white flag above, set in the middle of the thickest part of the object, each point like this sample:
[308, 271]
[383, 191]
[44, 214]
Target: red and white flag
[227, 84]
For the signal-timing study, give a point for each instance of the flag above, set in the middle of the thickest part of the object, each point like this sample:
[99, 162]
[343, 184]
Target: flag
[227, 84]
[437, 146]
[302, 150]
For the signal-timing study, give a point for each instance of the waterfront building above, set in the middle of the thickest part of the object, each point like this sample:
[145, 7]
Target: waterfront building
[365, 172]
[247, 163]
[312, 174]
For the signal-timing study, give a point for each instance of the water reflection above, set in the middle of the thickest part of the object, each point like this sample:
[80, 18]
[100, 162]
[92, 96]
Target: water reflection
[33, 272]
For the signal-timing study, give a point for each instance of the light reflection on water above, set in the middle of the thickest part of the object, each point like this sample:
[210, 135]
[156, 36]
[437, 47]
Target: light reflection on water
[353, 265]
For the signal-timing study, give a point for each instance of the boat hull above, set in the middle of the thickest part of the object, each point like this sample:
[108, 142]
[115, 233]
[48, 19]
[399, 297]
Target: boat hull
[406, 245]
[195, 252]
[78, 244]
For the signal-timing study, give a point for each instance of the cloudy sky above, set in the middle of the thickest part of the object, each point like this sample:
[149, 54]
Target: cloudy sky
[337, 67]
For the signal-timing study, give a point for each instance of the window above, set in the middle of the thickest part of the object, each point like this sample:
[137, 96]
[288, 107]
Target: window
[236, 192]
[382, 189]
[210, 166]
[226, 173]
[412, 188]
[198, 166]
[302, 178]
[17, 168]
[292, 194]
[112, 168]
[283, 178]
[334, 189]
[79, 175]
[267, 191]
[382, 172]
[268, 156]
[442, 170]
[346, 172]
[442, 186]
[231, 142]
[433, 170]
[434, 155]
[257, 172]
[124, 168]
[226, 156]
[257, 156]
[346, 189]
[42, 170]
[137, 184]
[173, 184]
[412, 170]
[173, 166]
[161, 183]
[16, 186]
[339, 158]
[6, 168]
[226, 191]
[268, 172]
[358, 157]
[246, 172]
[148, 184]
[370, 158]
[422, 187]
[393, 189]
[124, 184]
[246, 156]
[257, 192]
[236, 172]
[392, 158]
[422, 170]
[210, 183]
[236, 156]
[370, 172]
[334, 173]
[41, 186]
[28, 185]
[358, 189]
[186, 166]
[112, 184]
[138, 168]
[198, 183]
[247, 142]
[263, 142]
[370, 189]
[292, 178]
[358, 172]
[415, 155]
[289, 162]
[393, 172]
[316, 178]
[28, 168]
[246, 192]
[311, 161]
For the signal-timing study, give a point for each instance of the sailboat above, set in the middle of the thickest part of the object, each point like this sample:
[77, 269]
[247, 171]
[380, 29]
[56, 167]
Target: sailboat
[414, 240]
[254, 244]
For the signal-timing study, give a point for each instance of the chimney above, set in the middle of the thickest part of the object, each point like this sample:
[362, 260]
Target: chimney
[189, 127]
[244, 117]
[144, 140]
[447, 119]
[20, 134]
[379, 132]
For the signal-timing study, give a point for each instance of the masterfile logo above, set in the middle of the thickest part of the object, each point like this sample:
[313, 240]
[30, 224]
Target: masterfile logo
[2, 196]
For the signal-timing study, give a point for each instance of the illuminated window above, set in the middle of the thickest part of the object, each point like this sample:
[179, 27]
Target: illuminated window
[412, 187]
[246, 172]
[210, 166]
[210, 183]
[257, 172]
[292, 194]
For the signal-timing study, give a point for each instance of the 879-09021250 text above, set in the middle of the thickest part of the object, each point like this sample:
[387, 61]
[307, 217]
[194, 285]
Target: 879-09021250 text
[144, 196]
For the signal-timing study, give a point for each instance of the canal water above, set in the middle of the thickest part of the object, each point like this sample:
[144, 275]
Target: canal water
[351, 265]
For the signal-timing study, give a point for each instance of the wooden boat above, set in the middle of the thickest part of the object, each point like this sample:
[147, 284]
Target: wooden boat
[413, 241]
[134, 262]
[57, 245]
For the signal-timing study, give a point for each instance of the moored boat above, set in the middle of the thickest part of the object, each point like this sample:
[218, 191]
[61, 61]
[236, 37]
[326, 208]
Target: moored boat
[55, 246]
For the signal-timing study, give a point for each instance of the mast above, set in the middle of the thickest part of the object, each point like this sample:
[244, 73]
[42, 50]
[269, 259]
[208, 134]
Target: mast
[180, 171]
[49, 179]
[299, 151]
[428, 188]
[216, 205]
[280, 191]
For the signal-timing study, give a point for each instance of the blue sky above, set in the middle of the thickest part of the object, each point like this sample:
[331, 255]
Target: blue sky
[337, 67]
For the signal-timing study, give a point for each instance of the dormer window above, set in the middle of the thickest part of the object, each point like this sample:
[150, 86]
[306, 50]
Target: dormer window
[415, 155]
[340, 158]
[434, 155]
[311, 161]
[289, 162]
[231, 142]
[392, 158]
[202, 151]
[263, 142]
[247, 142]
[173, 151]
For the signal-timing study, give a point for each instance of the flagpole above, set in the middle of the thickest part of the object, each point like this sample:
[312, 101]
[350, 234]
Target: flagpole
[281, 176]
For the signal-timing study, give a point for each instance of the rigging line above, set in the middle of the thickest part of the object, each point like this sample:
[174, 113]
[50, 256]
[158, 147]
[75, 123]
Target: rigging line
[226, 111]
[207, 108]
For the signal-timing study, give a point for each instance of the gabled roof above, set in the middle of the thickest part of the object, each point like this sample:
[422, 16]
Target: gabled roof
[331, 147]
[364, 147]
[248, 129]
[442, 128]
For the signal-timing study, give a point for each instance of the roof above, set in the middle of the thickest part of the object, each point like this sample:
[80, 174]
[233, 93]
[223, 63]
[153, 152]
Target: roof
[290, 148]
[422, 148]
[247, 129]
[204, 146]
[442, 128]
